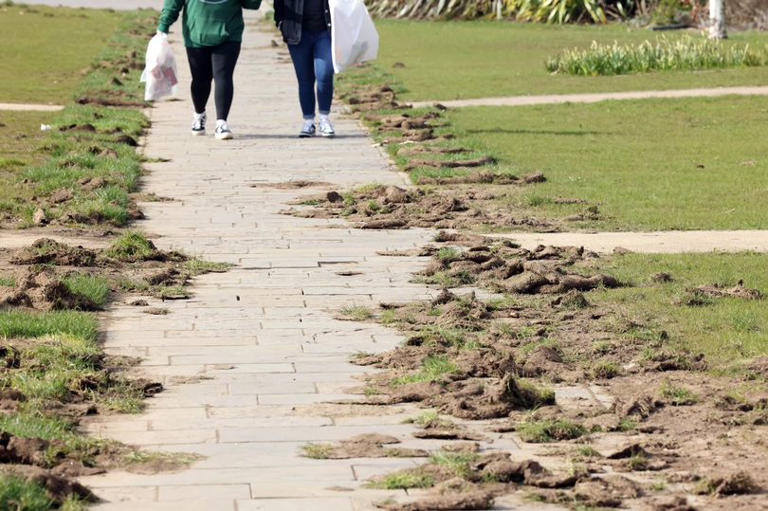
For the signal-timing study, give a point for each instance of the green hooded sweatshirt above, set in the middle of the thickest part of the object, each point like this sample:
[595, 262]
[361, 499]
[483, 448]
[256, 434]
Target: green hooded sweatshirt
[207, 22]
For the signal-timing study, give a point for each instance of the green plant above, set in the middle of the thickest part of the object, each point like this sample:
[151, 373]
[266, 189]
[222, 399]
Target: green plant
[605, 369]
[549, 430]
[317, 451]
[19, 324]
[404, 480]
[92, 287]
[687, 53]
[197, 266]
[677, 395]
[132, 246]
[627, 424]
[18, 494]
[356, 312]
[433, 368]
[457, 462]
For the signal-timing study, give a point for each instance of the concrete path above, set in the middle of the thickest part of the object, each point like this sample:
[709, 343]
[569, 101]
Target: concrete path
[596, 97]
[649, 242]
[247, 356]
[25, 107]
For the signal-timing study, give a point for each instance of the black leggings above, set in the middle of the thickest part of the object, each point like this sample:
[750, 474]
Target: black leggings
[213, 63]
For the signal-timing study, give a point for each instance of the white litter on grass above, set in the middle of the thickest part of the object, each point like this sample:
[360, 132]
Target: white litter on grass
[45, 127]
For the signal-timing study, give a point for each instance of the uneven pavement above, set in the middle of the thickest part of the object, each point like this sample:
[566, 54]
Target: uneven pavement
[247, 355]
[254, 362]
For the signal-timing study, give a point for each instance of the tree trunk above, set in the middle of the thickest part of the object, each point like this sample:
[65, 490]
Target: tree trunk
[717, 19]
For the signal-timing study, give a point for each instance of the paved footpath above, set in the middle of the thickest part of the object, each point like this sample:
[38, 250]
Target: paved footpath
[553, 99]
[257, 345]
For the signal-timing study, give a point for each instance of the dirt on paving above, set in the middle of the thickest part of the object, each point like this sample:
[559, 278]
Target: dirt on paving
[36, 279]
[674, 437]
[456, 207]
[456, 187]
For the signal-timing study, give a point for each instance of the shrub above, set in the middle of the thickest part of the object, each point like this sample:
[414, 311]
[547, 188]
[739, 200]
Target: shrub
[686, 53]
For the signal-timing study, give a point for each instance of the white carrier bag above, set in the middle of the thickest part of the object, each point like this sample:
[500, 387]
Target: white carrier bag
[160, 69]
[353, 33]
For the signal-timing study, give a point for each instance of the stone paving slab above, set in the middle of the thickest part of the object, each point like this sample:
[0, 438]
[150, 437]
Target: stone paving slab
[260, 344]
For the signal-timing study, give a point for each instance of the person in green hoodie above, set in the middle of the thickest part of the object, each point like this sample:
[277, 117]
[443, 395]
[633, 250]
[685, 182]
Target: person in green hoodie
[213, 33]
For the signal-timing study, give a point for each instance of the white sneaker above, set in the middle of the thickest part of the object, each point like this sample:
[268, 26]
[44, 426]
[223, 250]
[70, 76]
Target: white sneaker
[222, 130]
[308, 130]
[198, 124]
[325, 127]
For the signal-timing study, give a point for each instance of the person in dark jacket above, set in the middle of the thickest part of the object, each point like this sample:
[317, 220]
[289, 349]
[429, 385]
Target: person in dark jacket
[213, 32]
[306, 28]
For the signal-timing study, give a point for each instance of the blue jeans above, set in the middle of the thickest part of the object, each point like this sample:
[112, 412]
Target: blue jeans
[313, 62]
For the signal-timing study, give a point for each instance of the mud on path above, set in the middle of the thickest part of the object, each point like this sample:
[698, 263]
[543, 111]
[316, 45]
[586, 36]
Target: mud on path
[252, 361]
[663, 433]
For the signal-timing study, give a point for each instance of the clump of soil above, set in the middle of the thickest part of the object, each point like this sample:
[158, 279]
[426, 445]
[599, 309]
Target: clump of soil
[738, 291]
[48, 251]
[665, 417]
[392, 207]
[50, 275]
[505, 267]
[473, 483]
[59, 488]
[363, 446]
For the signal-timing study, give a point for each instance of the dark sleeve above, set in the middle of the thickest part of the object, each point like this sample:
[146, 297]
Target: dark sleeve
[279, 11]
[170, 13]
[250, 4]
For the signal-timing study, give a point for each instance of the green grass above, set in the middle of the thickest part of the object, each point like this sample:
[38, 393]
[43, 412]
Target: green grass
[42, 60]
[677, 395]
[686, 54]
[549, 430]
[131, 246]
[433, 368]
[457, 462]
[19, 324]
[404, 480]
[727, 331]
[7, 281]
[18, 494]
[503, 59]
[356, 312]
[33, 167]
[317, 451]
[92, 287]
[686, 164]
[197, 266]
[605, 370]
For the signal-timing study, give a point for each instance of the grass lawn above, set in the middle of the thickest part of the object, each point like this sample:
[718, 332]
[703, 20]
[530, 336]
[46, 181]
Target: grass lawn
[88, 157]
[726, 330]
[45, 49]
[20, 137]
[648, 164]
[451, 60]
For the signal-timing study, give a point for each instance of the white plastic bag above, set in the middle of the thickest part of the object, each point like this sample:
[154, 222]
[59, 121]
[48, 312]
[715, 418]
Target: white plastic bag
[353, 33]
[160, 69]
